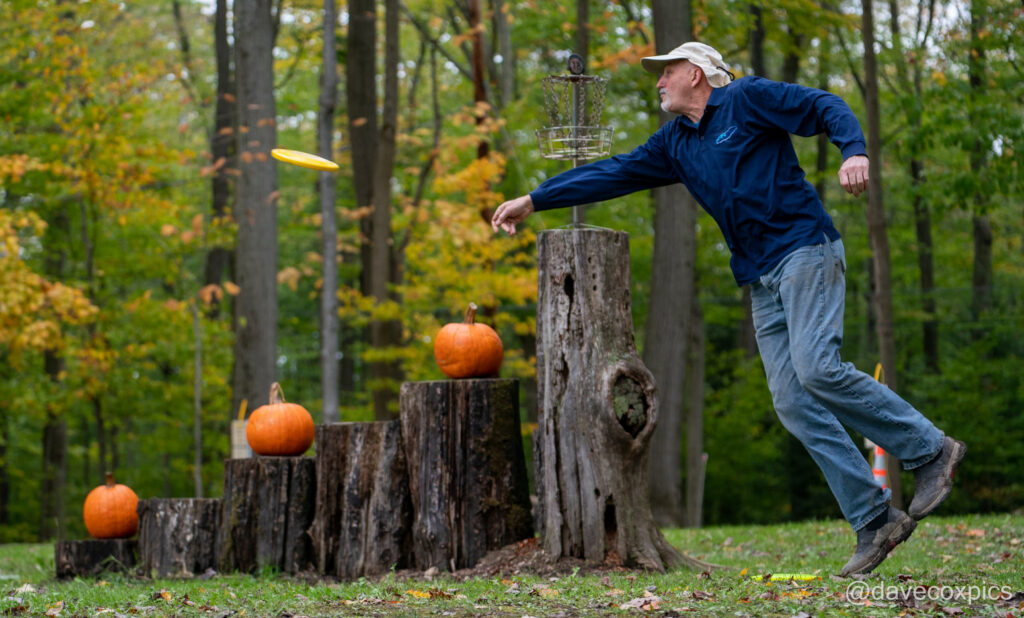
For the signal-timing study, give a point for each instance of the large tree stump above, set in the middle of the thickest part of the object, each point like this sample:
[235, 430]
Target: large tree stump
[467, 471]
[598, 407]
[268, 506]
[177, 536]
[91, 557]
[363, 518]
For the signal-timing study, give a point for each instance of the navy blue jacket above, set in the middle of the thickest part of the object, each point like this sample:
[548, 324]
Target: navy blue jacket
[739, 164]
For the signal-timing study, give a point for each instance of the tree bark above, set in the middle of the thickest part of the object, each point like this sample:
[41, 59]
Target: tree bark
[696, 458]
[507, 70]
[267, 508]
[981, 275]
[256, 206]
[673, 289]
[91, 557]
[363, 513]
[327, 184]
[598, 407]
[178, 536]
[385, 333]
[467, 471]
[876, 219]
[910, 77]
[218, 259]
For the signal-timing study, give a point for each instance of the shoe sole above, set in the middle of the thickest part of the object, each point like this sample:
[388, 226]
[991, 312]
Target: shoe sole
[959, 450]
[900, 534]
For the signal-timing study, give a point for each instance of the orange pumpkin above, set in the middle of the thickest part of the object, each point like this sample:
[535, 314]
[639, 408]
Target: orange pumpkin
[279, 428]
[468, 350]
[110, 511]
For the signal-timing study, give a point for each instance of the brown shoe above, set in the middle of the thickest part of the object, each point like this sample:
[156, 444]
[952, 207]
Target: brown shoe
[934, 480]
[874, 545]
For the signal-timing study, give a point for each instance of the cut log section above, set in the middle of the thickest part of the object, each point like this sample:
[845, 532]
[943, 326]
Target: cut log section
[268, 506]
[467, 470]
[363, 517]
[90, 557]
[177, 536]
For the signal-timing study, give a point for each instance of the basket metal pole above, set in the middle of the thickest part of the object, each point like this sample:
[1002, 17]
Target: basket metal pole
[578, 216]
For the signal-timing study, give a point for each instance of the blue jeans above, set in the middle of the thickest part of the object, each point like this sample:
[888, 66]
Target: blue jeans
[798, 315]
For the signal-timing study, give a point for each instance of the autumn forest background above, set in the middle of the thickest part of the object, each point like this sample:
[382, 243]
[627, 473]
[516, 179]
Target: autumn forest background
[157, 268]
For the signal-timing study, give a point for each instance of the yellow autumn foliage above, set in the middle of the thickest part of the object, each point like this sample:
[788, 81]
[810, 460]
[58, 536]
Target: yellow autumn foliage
[33, 310]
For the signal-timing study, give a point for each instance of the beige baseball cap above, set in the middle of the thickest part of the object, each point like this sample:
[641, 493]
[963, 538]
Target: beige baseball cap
[704, 56]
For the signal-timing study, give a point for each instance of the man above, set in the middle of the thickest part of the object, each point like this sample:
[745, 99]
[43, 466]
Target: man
[731, 147]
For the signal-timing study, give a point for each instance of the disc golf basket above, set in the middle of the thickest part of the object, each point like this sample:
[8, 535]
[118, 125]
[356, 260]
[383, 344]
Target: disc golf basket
[575, 133]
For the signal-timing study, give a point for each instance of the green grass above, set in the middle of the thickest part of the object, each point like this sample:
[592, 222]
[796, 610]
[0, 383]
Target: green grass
[946, 555]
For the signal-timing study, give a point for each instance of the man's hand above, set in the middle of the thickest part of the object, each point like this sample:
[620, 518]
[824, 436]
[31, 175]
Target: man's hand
[512, 212]
[853, 174]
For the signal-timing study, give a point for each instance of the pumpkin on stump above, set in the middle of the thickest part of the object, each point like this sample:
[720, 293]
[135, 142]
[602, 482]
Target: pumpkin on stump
[279, 428]
[468, 350]
[110, 511]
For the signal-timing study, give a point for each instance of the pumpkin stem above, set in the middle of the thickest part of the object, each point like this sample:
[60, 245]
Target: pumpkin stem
[470, 314]
[276, 394]
[110, 479]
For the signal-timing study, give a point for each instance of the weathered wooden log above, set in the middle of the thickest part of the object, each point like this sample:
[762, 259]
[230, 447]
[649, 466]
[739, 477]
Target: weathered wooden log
[90, 557]
[178, 536]
[363, 517]
[268, 506]
[598, 407]
[467, 471]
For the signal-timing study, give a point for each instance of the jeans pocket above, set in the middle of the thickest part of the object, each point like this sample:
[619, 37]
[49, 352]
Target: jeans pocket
[839, 254]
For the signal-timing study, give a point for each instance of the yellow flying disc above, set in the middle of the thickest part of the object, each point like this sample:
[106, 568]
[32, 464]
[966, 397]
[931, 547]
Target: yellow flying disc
[781, 577]
[304, 159]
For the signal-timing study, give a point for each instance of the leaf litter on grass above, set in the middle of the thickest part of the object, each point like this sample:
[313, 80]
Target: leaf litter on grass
[983, 551]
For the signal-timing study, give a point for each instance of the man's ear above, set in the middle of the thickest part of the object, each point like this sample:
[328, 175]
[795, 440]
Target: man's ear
[696, 75]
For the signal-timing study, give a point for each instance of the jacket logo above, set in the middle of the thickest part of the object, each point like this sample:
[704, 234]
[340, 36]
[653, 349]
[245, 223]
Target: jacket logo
[725, 135]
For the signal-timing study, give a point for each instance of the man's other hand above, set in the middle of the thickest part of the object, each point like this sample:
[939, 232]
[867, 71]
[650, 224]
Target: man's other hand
[853, 174]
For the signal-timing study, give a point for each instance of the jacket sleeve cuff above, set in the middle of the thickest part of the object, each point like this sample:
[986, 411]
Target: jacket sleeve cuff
[539, 198]
[854, 149]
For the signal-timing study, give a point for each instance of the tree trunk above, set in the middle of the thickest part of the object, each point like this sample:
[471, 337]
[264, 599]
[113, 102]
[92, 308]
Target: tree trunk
[55, 456]
[910, 76]
[256, 206]
[267, 508]
[386, 333]
[218, 259]
[981, 276]
[467, 471]
[507, 70]
[178, 536]
[363, 514]
[696, 458]
[91, 557]
[757, 35]
[876, 222]
[673, 288]
[327, 183]
[197, 402]
[598, 407]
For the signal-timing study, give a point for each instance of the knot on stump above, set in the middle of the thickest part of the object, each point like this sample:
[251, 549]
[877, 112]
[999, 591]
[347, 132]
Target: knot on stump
[630, 404]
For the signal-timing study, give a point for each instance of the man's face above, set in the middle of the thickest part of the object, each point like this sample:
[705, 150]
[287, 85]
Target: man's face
[675, 86]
